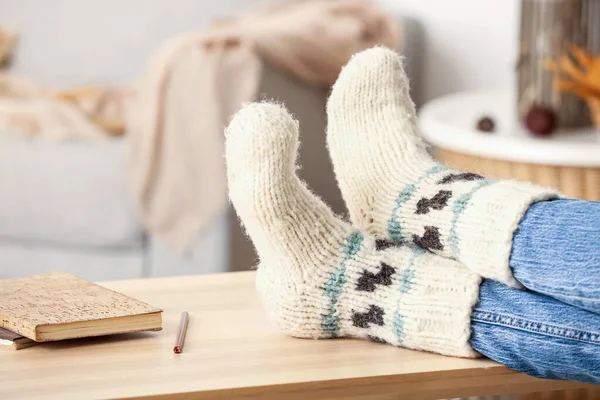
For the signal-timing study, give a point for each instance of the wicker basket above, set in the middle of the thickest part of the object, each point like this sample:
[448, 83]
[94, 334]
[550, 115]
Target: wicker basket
[574, 182]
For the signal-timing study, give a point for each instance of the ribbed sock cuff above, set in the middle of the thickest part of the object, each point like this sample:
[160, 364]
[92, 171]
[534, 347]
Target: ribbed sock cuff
[487, 219]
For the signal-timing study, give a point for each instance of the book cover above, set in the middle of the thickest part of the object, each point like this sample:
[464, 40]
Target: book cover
[60, 306]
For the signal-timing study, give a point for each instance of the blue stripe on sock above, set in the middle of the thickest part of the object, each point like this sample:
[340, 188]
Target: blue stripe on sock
[406, 279]
[335, 284]
[394, 226]
[460, 205]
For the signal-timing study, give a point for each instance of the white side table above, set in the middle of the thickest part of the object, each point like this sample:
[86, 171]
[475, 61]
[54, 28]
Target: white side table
[566, 160]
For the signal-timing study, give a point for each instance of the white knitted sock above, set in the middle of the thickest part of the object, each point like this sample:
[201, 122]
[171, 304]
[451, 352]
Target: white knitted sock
[319, 277]
[394, 189]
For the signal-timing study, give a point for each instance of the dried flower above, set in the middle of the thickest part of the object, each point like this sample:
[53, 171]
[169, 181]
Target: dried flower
[578, 72]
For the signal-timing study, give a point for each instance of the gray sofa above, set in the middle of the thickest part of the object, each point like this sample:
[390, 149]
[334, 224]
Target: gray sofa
[67, 206]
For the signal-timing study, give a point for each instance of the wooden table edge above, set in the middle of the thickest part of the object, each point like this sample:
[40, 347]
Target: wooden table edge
[498, 380]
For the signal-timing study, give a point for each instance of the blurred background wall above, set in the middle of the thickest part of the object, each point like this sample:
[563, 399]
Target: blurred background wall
[466, 44]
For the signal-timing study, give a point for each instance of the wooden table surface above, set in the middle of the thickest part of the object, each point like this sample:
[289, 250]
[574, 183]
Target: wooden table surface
[232, 351]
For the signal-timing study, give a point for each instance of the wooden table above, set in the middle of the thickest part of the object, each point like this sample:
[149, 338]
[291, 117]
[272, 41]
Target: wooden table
[233, 352]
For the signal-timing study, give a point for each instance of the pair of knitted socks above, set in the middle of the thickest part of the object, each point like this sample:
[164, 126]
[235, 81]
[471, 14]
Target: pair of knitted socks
[407, 270]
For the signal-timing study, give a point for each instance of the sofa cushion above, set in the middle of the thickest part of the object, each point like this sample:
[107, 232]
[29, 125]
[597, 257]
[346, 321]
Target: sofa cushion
[22, 258]
[72, 193]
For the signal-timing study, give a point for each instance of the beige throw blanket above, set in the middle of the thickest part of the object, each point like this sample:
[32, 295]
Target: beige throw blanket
[196, 83]
[176, 112]
[34, 110]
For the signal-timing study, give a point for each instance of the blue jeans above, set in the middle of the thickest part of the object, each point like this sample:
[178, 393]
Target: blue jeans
[552, 329]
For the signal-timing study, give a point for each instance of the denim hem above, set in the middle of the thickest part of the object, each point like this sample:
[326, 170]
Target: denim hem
[535, 327]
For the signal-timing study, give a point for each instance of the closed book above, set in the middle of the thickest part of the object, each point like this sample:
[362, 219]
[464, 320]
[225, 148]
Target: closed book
[59, 306]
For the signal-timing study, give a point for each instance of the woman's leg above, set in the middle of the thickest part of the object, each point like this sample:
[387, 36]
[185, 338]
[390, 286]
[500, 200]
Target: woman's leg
[536, 334]
[556, 251]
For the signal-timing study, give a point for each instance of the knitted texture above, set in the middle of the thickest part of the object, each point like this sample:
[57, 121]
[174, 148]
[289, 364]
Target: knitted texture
[320, 278]
[394, 189]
